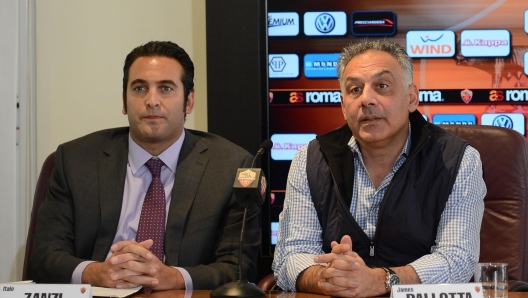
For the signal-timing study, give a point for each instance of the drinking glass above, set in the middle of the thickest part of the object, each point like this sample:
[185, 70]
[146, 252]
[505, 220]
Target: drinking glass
[494, 279]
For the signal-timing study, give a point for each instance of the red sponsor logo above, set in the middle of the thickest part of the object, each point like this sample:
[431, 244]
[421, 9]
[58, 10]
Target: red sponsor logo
[496, 95]
[296, 97]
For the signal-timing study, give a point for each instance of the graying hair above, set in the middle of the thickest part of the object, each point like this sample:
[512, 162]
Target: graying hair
[394, 49]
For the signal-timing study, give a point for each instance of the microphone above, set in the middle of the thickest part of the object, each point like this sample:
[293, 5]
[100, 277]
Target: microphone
[250, 183]
[249, 187]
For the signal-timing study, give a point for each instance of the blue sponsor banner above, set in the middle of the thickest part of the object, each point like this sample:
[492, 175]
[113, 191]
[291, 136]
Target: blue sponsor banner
[461, 119]
[320, 65]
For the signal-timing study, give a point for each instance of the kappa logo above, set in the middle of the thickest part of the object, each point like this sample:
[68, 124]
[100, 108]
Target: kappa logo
[325, 23]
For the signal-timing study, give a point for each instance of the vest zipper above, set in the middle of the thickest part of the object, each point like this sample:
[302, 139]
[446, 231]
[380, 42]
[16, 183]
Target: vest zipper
[371, 253]
[382, 204]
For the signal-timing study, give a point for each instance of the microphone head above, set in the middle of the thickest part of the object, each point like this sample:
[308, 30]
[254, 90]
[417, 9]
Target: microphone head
[266, 145]
[250, 186]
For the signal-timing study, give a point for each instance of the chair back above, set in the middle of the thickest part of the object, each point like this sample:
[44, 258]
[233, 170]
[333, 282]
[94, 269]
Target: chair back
[503, 235]
[40, 194]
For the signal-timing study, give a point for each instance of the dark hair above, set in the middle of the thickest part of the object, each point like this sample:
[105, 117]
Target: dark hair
[164, 49]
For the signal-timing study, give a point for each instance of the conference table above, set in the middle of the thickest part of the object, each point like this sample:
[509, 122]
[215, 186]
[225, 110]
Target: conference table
[269, 294]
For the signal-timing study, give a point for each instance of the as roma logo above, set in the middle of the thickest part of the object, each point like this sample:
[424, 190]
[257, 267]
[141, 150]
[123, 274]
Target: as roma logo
[477, 288]
[246, 178]
[263, 186]
[83, 289]
[466, 95]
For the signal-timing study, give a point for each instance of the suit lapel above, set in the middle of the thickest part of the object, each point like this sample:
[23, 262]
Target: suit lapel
[111, 170]
[191, 166]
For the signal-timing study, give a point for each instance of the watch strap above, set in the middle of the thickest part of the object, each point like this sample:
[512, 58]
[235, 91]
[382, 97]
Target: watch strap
[390, 278]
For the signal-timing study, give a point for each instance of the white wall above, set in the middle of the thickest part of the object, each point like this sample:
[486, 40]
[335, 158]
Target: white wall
[81, 46]
[8, 149]
[79, 49]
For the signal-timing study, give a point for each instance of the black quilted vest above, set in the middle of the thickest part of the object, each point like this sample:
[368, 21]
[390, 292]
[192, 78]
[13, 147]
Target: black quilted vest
[413, 203]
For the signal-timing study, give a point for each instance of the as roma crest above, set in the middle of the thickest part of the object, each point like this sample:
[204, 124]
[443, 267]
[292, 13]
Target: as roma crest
[466, 95]
[246, 178]
[83, 290]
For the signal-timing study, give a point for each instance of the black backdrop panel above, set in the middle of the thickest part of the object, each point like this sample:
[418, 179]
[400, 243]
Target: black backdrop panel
[237, 85]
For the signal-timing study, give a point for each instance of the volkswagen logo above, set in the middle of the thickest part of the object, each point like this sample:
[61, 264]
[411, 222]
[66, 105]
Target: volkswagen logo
[325, 23]
[503, 121]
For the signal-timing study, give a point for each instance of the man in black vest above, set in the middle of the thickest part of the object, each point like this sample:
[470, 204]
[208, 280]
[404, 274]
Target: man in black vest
[403, 197]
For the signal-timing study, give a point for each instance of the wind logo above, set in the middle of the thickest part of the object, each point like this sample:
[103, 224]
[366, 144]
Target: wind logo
[430, 44]
[426, 39]
[283, 24]
[485, 43]
[283, 66]
[515, 121]
[329, 23]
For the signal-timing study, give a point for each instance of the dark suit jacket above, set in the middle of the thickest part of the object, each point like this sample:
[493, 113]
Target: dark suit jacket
[79, 217]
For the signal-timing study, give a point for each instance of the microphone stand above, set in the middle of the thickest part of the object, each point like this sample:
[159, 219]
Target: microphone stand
[241, 287]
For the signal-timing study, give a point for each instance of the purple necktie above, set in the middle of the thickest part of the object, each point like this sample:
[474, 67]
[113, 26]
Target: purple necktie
[152, 219]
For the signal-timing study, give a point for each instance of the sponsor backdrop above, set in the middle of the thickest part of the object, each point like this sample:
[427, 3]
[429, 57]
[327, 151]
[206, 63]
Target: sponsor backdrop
[470, 64]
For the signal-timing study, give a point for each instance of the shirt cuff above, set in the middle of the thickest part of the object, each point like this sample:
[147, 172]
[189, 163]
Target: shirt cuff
[77, 273]
[186, 278]
[431, 270]
[296, 264]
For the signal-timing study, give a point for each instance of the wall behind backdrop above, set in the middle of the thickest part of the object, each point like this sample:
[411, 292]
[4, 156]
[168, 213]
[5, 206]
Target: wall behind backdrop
[80, 47]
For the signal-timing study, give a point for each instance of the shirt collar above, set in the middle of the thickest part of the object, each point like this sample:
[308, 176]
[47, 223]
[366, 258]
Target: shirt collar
[137, 156]
[354, 146]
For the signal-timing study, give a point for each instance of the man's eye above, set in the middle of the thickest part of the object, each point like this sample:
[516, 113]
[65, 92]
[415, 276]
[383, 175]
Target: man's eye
[139, 88]
[383, 86]
[166, 88]
[355, 90]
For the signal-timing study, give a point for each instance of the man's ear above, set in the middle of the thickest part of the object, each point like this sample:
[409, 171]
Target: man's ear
[413, 95]
[124, 111]
[190, 103]
[343, 106]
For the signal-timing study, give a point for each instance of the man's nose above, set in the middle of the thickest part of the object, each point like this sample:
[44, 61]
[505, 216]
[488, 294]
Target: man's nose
[152, 99]
[369, 97]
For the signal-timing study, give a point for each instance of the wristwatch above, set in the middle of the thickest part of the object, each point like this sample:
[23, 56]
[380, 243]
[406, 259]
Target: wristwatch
[391, 279]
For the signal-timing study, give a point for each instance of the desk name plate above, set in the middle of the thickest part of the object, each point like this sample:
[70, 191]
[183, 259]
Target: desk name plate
[466, 290]
[31, 290]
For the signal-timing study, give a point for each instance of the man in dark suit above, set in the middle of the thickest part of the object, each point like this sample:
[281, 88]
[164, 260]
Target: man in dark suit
[87, 226]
